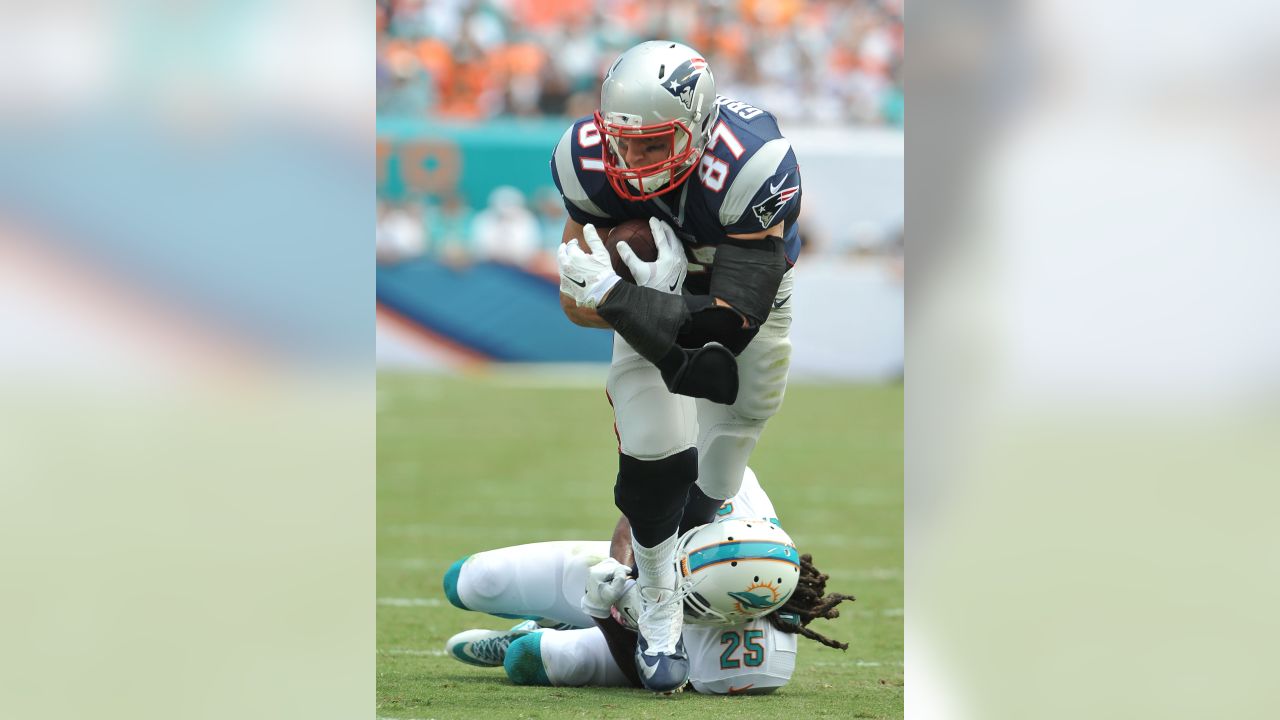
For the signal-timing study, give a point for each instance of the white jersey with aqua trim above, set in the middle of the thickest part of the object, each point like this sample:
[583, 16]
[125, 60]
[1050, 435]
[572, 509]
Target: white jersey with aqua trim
[750, 502]
[546, 580]
[752, 658]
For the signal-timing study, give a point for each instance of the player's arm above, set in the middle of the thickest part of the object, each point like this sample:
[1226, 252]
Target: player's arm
[622, 646]
[621, 641]
[650, 314]
[744, 282]
[584, 316]
[620, 548]
[775, 233]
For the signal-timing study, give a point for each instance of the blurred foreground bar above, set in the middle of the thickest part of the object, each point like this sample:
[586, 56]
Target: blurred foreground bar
[186, 387]
[1093, 382]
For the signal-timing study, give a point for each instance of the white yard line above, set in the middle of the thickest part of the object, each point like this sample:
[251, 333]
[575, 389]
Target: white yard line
[872, 574]
[414, 563]
[411, 602]
[413, 652]
[861, 663]
[518, 533]
[843, 541]
[883, 612]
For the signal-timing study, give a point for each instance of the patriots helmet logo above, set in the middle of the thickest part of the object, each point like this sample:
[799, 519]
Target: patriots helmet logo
[681, 82]
[770, 207]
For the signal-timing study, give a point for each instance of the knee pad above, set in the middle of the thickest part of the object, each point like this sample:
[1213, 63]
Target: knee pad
[451, 583]
[485, 584]
[523, 661]
[652, 493]
[762, 373]
[724, 457]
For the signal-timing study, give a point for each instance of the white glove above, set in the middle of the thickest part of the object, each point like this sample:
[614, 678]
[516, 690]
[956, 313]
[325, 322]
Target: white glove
[606, 583]
[667, 272]
[586, 277]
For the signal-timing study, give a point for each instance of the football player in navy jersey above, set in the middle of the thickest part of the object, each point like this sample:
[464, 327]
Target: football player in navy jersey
[701, 349]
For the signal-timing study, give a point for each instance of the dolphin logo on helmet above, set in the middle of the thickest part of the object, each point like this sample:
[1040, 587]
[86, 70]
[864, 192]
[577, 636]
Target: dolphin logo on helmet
[736, 570]
[754, 601]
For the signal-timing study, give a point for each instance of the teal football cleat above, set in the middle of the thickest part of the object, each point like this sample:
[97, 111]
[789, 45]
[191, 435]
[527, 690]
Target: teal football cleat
[486, 648]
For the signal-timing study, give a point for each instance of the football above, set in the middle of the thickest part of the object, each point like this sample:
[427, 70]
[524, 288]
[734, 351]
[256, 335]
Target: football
[637, 235]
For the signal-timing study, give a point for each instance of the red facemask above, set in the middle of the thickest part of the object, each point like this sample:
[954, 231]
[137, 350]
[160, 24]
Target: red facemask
[677, 165]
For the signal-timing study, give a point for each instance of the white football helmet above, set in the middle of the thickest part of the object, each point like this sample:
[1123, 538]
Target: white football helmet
[734, 570]
[657, 90]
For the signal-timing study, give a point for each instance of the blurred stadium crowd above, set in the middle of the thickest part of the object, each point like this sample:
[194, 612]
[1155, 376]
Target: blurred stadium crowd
[824, 61]
[812, 63]
[507, 230]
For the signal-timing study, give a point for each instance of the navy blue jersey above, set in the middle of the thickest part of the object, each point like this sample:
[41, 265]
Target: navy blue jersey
[748, 180]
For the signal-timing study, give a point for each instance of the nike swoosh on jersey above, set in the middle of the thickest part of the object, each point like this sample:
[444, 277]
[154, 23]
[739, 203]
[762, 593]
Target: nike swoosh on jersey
[734, 691]
[774, 188]
[778, 305]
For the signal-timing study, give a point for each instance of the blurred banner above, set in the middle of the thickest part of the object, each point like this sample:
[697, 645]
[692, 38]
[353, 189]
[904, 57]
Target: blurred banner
[469, 220]
[186, 389]
[418, 158]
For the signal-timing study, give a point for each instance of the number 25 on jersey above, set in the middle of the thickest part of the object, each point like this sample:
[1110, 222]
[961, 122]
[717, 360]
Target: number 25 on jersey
[748, 641]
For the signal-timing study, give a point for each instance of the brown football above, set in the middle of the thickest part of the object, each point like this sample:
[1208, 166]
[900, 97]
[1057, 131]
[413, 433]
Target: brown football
[637, 235]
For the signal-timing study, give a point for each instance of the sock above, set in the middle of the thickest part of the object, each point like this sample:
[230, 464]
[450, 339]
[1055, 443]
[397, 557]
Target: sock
[656, 565]
[699, 509]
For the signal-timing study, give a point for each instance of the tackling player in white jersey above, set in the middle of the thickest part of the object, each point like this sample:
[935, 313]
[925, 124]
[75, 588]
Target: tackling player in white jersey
[746, 591]
[709, 319]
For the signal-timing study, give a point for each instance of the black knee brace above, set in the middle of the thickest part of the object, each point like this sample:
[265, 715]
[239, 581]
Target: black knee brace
[652, 493]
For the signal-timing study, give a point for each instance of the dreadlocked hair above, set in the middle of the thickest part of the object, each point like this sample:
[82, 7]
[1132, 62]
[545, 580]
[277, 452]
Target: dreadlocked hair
[810, 602]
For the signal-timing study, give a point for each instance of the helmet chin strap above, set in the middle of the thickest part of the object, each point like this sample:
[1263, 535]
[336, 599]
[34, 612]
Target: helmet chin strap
[652, 182]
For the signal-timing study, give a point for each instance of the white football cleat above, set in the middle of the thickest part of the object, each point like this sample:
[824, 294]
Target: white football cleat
[487, 648]
[661, 658]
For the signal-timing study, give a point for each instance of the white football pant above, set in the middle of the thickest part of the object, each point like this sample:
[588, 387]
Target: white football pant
[653, 423]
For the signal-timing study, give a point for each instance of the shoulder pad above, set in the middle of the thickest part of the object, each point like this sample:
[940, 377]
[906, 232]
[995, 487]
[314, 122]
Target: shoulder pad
[570, 166]
[763, 205]
[761, 189]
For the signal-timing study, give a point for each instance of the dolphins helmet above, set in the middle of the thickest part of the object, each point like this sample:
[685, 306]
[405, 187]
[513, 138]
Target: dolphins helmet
[657, 90]
[734, 570]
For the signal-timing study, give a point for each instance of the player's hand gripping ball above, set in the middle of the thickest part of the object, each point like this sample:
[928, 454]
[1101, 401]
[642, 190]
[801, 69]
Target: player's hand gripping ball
[648, 254]
[585, 276]
[606, 583]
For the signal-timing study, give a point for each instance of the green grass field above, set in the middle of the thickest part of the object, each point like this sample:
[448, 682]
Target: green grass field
[471, 464]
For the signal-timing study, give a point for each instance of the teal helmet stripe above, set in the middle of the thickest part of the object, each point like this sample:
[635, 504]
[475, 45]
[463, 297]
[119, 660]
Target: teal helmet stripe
[748, 550]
